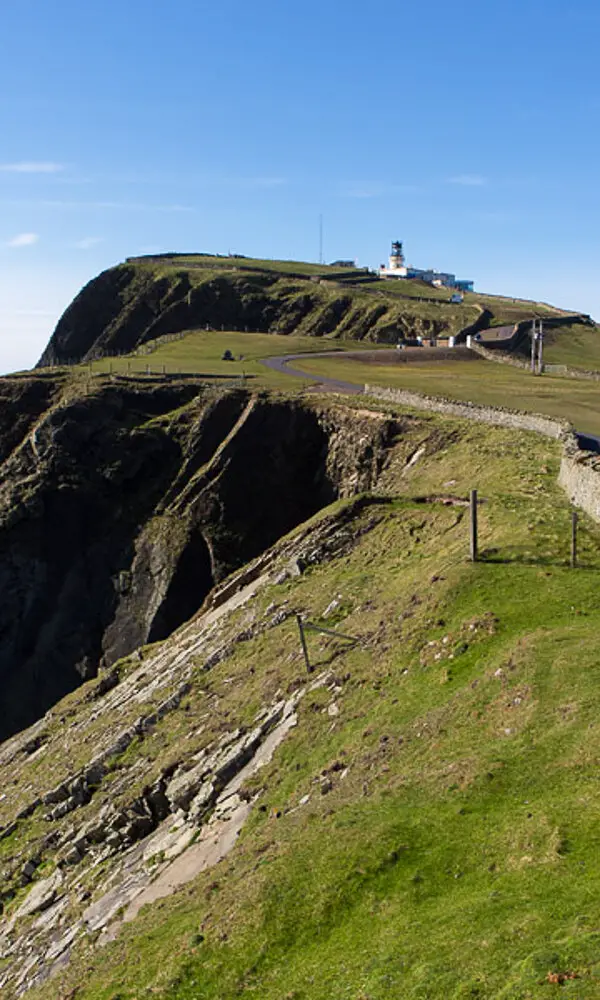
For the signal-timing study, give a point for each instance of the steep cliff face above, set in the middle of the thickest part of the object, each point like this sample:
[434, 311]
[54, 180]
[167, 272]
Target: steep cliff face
[122, 506]
[133, 303]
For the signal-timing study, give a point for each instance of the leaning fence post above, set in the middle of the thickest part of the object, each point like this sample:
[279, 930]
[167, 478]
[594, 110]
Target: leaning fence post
[473, 526]
[574, 539]
[303, 643]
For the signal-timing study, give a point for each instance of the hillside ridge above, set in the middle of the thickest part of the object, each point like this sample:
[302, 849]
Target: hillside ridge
[147, 298]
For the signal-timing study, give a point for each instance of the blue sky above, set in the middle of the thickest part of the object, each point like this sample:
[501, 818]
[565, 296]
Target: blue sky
[469, 130]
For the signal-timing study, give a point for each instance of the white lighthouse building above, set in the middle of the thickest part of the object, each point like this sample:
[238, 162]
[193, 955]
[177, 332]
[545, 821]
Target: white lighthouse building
[397, 268]
[397, 264]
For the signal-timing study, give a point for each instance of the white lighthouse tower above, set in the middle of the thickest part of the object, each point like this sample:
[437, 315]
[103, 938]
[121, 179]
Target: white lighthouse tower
[397, 264]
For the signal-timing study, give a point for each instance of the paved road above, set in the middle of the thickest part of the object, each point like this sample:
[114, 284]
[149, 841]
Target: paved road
[281, 364]
[588, 442]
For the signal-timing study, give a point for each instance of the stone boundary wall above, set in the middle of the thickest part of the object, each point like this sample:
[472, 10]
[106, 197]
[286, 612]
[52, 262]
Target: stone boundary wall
[568, 372]
[579, 476]
[473, 411]
[579, 473]
[500, 356]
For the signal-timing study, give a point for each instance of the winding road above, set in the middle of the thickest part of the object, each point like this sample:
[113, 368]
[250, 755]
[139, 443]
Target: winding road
[588, 442]
[281, 364]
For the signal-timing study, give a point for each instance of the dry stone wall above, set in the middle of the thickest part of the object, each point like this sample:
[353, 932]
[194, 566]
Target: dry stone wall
[472, 411]
[500, 357]
[579, 476]
[503, 358]
[579, 473]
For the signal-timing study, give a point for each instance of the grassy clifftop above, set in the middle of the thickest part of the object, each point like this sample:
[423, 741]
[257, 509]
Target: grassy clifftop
[145, 298]
[427, 829]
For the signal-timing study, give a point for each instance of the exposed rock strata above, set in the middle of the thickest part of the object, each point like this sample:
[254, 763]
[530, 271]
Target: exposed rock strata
[114, 830]
[122, 506]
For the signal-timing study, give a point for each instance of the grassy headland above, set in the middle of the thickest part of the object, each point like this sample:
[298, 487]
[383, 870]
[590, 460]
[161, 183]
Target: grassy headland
[148, 297]
[429, 828]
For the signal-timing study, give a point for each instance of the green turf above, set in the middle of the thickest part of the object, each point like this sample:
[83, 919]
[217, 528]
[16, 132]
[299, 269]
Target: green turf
[409, 306]
[457, 857]
[511, 310]
[478, 381]
[577, 346]
[201, 352]
[305, 268]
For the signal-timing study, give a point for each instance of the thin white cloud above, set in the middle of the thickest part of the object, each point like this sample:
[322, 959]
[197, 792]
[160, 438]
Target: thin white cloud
[23, 240]
[32, 167]
[87, 242]
[364, 191]
[121, 206]
[243, 182]
[468, 180]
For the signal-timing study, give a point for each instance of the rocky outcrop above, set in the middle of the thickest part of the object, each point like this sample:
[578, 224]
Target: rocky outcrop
[165, 782]
[123, 504]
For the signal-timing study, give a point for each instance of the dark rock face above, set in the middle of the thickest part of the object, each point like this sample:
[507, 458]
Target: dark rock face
[134, 303]
[120, 509]
[81, 327]
[126, 306]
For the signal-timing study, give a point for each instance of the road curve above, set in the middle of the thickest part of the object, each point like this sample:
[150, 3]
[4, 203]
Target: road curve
[281, 364]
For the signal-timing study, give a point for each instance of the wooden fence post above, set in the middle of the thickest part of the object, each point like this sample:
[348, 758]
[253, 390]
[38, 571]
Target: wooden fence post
[574, 539]
[303, 643]
[473, 520]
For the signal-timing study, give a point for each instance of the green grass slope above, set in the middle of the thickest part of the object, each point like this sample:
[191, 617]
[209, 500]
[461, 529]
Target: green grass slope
[478, 381]
[201, 352]
[429, 830]
[577, 346]
[148, 297]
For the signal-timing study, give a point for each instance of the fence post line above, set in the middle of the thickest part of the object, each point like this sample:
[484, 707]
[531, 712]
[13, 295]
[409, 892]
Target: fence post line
[303, 643]
[574, 539]
[473, 520]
